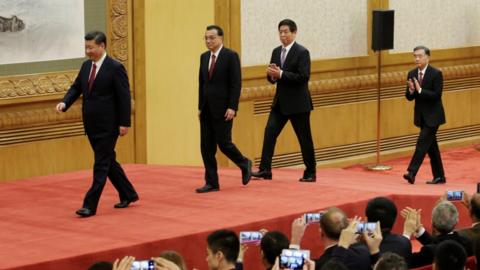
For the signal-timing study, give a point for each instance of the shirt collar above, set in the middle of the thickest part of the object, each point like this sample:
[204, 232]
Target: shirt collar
[217, 52]
[100, 62]
[289, 46]
[423, 70]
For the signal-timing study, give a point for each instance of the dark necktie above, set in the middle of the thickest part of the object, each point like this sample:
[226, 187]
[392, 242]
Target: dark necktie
[282, 56]
[420, 77]
[91, 79]
[212, 67]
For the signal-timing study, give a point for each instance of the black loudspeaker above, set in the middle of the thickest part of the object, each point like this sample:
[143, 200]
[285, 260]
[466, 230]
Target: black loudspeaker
[382, 29]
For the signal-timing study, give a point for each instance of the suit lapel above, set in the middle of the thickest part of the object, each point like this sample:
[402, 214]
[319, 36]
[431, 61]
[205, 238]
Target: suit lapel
[427, 75]
[218, 62]
[101, 72]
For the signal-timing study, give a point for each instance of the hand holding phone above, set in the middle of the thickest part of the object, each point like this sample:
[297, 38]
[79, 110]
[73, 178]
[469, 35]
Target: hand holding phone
[366, 227]
[293, 258]
[143, 265]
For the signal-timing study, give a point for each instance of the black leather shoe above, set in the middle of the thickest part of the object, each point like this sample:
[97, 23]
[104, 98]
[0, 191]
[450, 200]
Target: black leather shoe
[247, 172]
[410, 177]
[437, 180]
[126, 203]
[308, 178]
[207, 188]
[267, 175]
[85, 212]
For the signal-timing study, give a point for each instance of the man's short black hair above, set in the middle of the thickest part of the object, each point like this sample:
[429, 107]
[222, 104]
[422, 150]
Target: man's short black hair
[101, 266]
[272, 245]
[216, 27]
[98, 36]
[391, 261]
[334, 264]
[225, 241]
[382, 209]
[450, 255]
[421, 47]
[291, 25]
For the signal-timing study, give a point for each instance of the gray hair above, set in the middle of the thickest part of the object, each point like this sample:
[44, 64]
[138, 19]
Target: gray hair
[444, 217]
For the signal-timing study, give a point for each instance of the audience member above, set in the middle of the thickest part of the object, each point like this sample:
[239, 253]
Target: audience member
[384, 210]
[391, 261]
[222, 250]
[449, 255]
[334, 265]
[174, 257]
[101, 266]
[444, 220]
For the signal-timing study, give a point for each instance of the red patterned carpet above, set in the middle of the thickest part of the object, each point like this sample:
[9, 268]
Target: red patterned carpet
[39, 228]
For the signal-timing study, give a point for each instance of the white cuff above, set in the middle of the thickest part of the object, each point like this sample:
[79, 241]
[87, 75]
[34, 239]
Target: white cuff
[420, 232]
[420, 90]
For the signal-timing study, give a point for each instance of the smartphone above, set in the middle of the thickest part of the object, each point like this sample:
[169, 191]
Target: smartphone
[251, 238]
[456, 195]
[293, 258]
[366, 226]
[312, 218]
[143, 265]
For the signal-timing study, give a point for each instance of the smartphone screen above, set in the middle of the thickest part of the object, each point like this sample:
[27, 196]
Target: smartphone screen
[455, 195]
[293, 258]
[143, 265]
[366, 226]
[312, 218]
[250, 238]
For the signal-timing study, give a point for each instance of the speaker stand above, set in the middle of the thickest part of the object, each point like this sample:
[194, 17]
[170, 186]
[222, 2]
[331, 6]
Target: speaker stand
[377, 166]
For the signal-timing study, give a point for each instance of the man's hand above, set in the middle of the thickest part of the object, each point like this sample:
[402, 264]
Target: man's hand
[124, 264]
[348, 235]
[298, 229]
[241, 252]
[164, 264]
[229, 114]
[309, 265]
[122, 130]
[273, 71]
[60, 107]
[412, 221]
[417, 85]
[373, 239]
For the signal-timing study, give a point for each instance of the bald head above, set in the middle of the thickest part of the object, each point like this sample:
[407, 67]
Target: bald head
[333, 222]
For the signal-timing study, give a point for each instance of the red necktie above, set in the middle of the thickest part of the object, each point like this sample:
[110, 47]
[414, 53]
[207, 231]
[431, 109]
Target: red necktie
[420, 77]
[212, 67]
[91, 79]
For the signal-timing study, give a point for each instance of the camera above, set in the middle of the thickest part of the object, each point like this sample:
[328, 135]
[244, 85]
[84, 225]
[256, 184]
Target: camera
[250, 238]
[312, 218]
[455, 195]
[366, 227]
[143, 265]
[293, 258]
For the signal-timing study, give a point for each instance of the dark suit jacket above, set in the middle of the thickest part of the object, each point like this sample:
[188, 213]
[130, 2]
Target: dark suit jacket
[222, 91]
[292, 95]
[428, 105]
[356, 257]
[107, 106]
[426, 254]
[473, 234]
[397, 244]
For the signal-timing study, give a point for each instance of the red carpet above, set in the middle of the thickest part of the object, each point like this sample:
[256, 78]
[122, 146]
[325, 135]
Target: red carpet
[39, 228]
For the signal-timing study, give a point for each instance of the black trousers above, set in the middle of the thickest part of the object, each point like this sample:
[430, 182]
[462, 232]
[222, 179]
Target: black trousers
[427, 143]
[301, 126]
[213, 132]
[106, 165]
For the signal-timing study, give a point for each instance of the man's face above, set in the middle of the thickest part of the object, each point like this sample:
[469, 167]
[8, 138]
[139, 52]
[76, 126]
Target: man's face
[286, 36]
[421, 59]
[212, 40]
[94, 51]
[211, 260]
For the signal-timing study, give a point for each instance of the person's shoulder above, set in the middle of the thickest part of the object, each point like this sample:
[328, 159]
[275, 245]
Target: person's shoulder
[112, 61]
[228, 51]
[434, 69]
[299, 46]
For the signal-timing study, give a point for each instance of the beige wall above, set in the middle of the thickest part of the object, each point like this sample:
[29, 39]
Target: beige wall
[173, 43]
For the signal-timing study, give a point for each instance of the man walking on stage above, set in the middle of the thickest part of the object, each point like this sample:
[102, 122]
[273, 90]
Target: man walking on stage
[290, 69]
[103, 84]
[425, 85]
[219, 84]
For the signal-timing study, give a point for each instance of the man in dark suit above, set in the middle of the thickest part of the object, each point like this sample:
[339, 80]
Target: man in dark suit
[383, 210]
[473, 232]
[444, 220]
[103, 84]
[290, 69]
[219, 83]
[425, 85]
